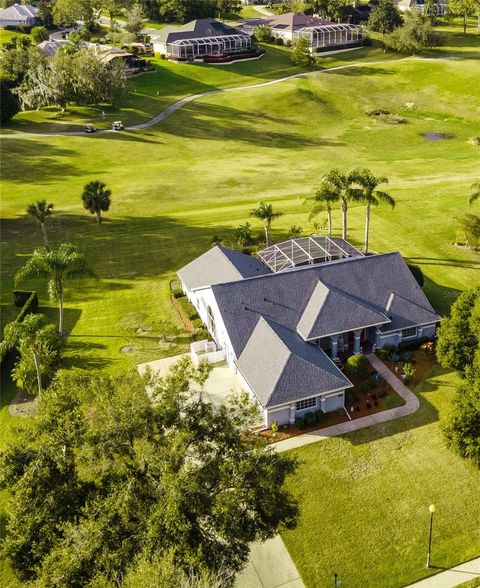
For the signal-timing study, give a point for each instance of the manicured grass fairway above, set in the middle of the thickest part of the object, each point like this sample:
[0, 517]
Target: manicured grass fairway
[364, 500]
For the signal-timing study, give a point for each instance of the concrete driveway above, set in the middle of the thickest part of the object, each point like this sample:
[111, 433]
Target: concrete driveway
[221, 383]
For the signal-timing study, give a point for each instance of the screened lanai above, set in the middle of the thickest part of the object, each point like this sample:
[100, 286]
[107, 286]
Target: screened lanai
[306, 250]
[330, 35]
[200, 47]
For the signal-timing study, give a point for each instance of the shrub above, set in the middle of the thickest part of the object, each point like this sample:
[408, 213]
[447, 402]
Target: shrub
[409, 371]
[201, 334]
[300, 423]
[364, 387]
[197, 323]
[39, 34]
[310, 419]
[394, 357]
[279, 41]
[383, 353]
[406, 357]
[288, 43]
[357, 365]
[274, 427]
[177, 293]
[9, 103]
[377, 378]
[320, 415]
[302, 54]
[413, 344]
[415, 36]
[263, 34]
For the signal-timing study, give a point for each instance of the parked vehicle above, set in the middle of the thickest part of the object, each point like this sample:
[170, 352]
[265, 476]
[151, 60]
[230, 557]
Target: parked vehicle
[118, 125]
[89, 128]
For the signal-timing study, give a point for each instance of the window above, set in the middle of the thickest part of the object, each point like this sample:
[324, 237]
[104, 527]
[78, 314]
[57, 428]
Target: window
[308, 403]
[409, 333]
[210, 321]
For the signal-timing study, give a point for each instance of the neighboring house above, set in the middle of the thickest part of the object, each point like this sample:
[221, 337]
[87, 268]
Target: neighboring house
[18, 15]
[439, 6]
[281, 318]
[50, 47]
[200, 38]
[322, 34]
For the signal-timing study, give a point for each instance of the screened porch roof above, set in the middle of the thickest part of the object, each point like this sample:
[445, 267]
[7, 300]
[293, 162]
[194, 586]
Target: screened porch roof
[305, 250]
[210, 40]
[340, 27]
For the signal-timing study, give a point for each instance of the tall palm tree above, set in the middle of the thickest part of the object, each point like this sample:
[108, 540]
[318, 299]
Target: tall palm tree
[265, 213]
[56, 265]
[475, 195]
[323, 198]
[340, 186]
[41, 211]
[96, 198]
[368, 183]
[30, 336]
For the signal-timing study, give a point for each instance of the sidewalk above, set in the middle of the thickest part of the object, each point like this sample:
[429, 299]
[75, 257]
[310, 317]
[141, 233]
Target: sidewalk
[269, 566]
[452, 577]
[411, 405]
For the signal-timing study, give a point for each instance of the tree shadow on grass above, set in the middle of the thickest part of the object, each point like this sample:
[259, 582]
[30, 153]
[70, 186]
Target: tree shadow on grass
[200, 120]
[362, 70]
[83, 355]
[42, 162]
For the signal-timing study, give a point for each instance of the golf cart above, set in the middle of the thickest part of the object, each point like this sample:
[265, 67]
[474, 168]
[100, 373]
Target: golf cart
[89, 128]
[118, 125]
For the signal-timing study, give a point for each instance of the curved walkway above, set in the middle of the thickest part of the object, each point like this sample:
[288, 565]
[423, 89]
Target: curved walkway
[182, 101]
[411, 405]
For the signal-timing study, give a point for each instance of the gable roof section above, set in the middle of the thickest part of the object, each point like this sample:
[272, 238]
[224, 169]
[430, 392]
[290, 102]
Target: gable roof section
[404, 313]
[367, 282]
[219, 265]
[18, 12]
[331, 311]
[291, 21]
[280, 367]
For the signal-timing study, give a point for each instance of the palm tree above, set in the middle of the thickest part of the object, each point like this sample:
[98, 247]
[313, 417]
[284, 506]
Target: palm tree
[475, 195]
[96, 198]
[323, 198]
[368, 183]
[265, 213]
[41, 211]
[32, 335]
[56, 265]
[339, 186]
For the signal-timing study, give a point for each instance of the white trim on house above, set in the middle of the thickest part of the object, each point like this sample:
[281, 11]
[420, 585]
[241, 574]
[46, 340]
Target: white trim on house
[386, 333]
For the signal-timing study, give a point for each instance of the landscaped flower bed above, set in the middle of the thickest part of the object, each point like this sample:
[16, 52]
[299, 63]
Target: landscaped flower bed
[422, 360]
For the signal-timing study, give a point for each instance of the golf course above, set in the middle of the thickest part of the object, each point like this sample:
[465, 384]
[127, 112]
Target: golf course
[194, 176]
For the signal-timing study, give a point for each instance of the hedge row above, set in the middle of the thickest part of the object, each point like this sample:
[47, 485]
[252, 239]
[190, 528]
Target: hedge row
[309, 419]
[28, 301]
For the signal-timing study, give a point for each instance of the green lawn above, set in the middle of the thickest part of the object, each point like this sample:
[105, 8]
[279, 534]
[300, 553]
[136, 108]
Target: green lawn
[365, 497]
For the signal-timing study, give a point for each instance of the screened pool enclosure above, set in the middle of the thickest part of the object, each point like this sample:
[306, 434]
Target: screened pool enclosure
[306, 251]
[331, 35]
[201, 47]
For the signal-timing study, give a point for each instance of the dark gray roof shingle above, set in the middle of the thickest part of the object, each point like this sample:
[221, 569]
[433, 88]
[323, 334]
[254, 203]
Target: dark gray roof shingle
[196, 29]
[283, 297]
[219, 265]
[280, 367]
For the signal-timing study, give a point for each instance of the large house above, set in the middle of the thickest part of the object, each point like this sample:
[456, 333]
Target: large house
[281, 318]
[322, 34]
[199, 39]
[18, 15]
[439, 7]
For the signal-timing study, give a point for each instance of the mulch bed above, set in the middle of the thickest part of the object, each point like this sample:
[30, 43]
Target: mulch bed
[423, 362]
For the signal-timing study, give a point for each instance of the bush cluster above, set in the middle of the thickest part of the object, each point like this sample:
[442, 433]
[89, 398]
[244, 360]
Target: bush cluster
[357, 365]
[309, 419]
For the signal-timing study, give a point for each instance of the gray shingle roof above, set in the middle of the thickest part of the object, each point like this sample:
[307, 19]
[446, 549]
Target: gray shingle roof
[367, 283]
[280, 367]
[196, 29]
[405, 313]
[219, 265]
[331, 311]
[18, 12]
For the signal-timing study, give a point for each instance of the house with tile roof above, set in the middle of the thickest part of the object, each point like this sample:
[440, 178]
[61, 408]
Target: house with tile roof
[281, 318]
[18, 15]
[322, 34]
